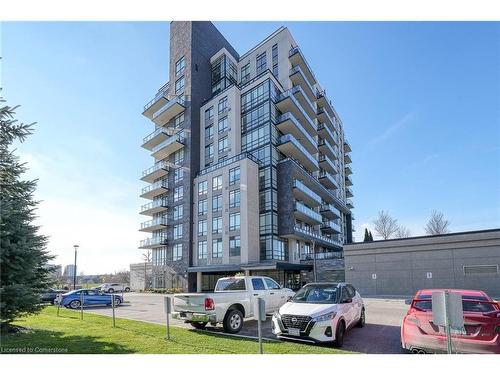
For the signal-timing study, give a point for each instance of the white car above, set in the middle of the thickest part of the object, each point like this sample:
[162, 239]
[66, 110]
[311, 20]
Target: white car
[320, 313]
[114, 287]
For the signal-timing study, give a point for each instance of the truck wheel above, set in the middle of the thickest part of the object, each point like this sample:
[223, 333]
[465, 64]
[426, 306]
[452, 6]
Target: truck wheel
[127, 290]
[233, 321]
[111, 290]
[199, 325]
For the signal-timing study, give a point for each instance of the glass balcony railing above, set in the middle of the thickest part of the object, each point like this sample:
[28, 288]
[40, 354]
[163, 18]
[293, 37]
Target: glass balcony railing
[155, 204]
[298, 89]
[330, 208]
[305, 154]
[179, 137]
[153, 241]
[326, 132]
[331, 225]
[300, 185]
[307, 211]
[296, 51]
[323, 255]
[289, 94]
[162, 92]
[154, 186]
[154, 134]
[155, 168]
[299, 129]
[155, 222]
[317, 236]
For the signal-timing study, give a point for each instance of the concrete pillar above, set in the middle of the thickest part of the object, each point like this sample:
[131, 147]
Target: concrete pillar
[198, 282]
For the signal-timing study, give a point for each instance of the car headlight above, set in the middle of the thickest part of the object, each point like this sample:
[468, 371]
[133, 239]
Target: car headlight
[325, 317]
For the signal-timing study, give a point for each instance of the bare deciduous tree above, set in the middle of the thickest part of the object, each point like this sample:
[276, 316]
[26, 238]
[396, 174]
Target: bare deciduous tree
[147, 259]
[437, 224]
[403, 232]
[385, 225]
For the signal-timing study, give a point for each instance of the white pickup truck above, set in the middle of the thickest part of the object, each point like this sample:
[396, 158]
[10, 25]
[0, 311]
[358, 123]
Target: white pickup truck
[231, 302]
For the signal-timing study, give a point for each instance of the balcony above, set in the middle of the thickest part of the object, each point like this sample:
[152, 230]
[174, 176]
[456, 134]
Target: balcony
[297, 59]
[304, 101]
[329, 211]
[349, 203]
[303, 193]
[160, 99]
[347, 146]
[168, 146]
[327, 164]
[324, 117]
[309, 235]
[348, 181]
[289, 146]
[298, 77]
[348, 169]
[152, 225]
[306, 214]
[153, 242]
[154, 207]
[155, 172]
[348, 193]
[327, 133]
[326, 148]
[286, 102]
[323, 101]
[331, 227]
[288, 124]
[347, 159]
[323, 255]
[155, 138]
[327, 180]
[167, 112]
[151, 191]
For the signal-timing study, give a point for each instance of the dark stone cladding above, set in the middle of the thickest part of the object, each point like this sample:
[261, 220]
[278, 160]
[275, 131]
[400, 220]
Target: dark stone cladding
[197, 41]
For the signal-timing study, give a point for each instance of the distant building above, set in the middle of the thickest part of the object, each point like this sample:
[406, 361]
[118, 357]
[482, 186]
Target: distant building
[69, 270]
[141, 276]
[57, 270]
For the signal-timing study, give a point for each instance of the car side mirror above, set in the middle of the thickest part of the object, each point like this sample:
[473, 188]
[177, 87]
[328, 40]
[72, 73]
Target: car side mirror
[347, 300]
[408, 301]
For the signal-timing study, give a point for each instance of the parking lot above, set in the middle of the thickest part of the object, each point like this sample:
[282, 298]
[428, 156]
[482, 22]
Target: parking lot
[379, 336]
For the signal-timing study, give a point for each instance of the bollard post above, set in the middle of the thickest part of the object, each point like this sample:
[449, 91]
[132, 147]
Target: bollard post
[113, 305]
[81, 304]
[259, 313]
[59, 298]
[168, 309]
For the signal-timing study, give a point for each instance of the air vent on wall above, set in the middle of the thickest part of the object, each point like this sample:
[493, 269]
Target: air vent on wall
[482, 269]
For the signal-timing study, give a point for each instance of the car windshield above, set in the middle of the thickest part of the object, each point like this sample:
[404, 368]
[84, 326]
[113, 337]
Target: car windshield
[230, 284]
[317, 294]
[469, 303]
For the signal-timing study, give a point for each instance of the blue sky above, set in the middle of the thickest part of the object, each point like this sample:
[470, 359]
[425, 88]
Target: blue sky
[420, 103]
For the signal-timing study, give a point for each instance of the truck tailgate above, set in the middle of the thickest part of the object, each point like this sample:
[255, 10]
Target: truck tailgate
[192, 302]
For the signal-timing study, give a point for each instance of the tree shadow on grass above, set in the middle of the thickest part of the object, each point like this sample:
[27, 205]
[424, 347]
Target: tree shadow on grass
[39, 341]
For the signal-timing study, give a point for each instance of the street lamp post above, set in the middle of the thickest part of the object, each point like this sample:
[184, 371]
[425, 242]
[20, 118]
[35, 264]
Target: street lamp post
[74, 271]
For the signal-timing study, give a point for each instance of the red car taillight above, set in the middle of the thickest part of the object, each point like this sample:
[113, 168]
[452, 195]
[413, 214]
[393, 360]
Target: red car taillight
[209, 304]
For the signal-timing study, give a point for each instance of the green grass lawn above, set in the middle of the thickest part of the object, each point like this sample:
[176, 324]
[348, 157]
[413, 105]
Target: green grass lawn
[95, 334]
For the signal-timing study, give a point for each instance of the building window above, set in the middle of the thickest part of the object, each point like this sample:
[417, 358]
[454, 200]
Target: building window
[202, 228]
[202, 207]
[209, 133]
[245, 73]
[234, 198]
[275, 60]
[216, 225]
[202, 187]
[222, 125]
[209, 114]
[223, 144]
[179, 85]
[177, 251]
[179, 156]
[180, 65]
[261, 63]
[179, 120]
[177, 231]
[178, 212]
[217, 182]
[217, 248]
[234, 246]
[202, 250]
[222, 105]
[234, 221]
[217, 203]
[178, 175]
[209, 151]
[178, 193]
[234, 175]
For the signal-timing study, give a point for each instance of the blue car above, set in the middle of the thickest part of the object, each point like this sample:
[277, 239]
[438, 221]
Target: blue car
[91, 297]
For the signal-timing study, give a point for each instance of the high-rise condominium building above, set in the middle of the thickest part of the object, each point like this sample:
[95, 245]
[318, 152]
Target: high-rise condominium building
[250, 169]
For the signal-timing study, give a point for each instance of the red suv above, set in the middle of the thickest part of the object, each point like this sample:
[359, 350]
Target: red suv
[481, 320]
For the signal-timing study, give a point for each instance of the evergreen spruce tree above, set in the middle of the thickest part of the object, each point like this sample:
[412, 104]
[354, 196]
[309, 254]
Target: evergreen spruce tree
[24, 274]
[370, 236]
[367, 236]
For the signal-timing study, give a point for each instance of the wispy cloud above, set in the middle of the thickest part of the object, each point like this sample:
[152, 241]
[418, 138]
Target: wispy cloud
[391, 130]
